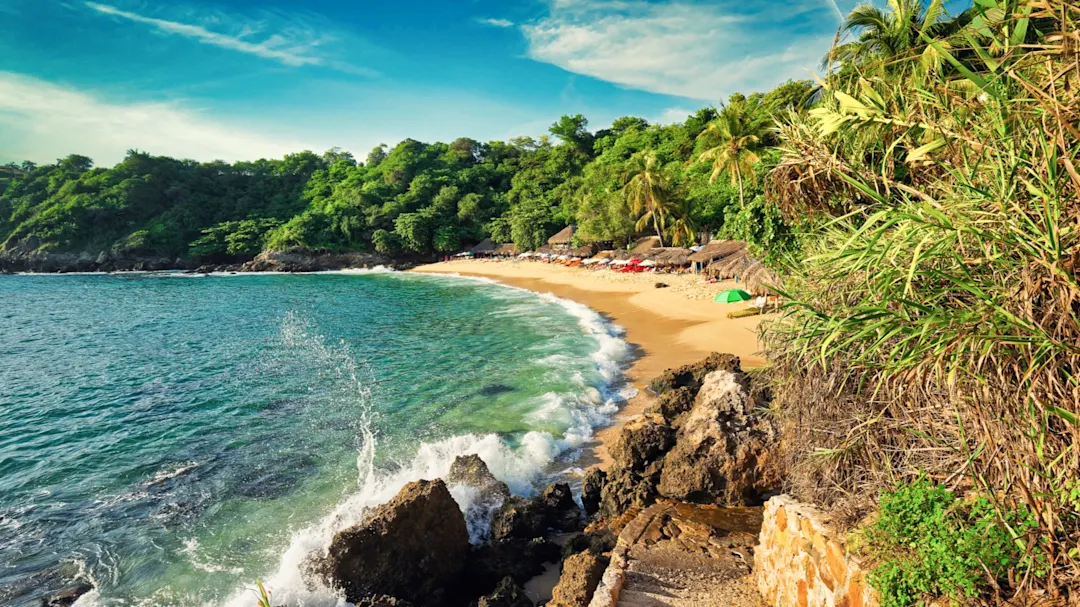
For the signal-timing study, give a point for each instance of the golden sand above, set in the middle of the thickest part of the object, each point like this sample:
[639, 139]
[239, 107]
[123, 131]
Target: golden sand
[668, 327]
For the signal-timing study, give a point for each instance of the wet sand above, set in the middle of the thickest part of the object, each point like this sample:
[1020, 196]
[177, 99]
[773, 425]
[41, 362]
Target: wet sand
[668, 327]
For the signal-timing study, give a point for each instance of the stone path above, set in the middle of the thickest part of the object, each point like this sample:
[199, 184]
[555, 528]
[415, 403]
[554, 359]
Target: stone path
[683, 555]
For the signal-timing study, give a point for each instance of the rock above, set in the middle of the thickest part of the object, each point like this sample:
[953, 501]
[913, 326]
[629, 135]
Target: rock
[470, 470]
[478, 491]
[642, 441]
[519, 559]
[673, 403]
[661, 285]
[580, 575]
[528, 518]
[412, 548]
[507, 594]
[691, 376]
[309, 261]
[627, 489]
[67, 596]
[725, 447]
[592, 486]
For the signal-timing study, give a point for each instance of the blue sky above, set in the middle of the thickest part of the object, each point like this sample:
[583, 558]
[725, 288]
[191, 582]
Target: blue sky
[243, 79]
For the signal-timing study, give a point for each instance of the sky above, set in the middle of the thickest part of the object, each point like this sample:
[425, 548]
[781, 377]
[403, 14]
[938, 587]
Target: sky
[246, 79]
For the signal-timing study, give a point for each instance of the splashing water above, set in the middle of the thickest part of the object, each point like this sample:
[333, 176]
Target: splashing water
[194, 435]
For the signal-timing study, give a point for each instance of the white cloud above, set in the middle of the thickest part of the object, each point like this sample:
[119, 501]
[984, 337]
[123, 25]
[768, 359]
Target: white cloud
[498, 22]
[698, 51]
[42, 121]
[293, 45]
[673, 115]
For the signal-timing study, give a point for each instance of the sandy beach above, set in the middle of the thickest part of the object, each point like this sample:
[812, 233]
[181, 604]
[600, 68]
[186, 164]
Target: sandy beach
[668, 327]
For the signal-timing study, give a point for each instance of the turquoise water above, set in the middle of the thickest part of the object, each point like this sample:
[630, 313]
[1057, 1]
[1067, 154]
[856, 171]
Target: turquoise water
[172, 438]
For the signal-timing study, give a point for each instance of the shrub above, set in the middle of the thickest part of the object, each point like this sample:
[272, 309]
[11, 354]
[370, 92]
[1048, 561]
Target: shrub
[927, 543]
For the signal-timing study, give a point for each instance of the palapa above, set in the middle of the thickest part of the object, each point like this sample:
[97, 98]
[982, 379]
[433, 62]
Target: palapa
[564, 236]
[717, 249]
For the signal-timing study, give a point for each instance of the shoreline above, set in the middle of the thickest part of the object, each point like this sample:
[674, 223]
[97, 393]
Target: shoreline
[667, 327]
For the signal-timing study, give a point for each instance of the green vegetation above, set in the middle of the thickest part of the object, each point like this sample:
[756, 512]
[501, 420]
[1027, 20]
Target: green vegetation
[416, 198]
[932, 317]
[925, 541]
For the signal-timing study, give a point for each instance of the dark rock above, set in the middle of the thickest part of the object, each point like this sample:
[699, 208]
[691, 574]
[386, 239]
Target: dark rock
[691, 376]
[528, 518]
[627, 489]
[412, 548]
[598, 541]
[488, 493]
[472, 471]
[580, 575]
[725, 450]
[311, 261]
[67, 596]
[642, 441]
[507, 594]
[661, 285]
[673, 403]
[592, 486]
[519, 559]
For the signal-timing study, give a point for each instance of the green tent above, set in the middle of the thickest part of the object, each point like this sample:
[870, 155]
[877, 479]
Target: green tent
[732, 296]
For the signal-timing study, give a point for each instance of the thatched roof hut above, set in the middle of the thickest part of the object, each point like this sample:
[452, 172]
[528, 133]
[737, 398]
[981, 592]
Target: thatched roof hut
[564, 237]
[717, 249]
[582, 251]
[731, 266]
[644, 245]
[670, 257]
[506, 250]
[760, 280]
[485, 247]
[754, 276]
[609, 254]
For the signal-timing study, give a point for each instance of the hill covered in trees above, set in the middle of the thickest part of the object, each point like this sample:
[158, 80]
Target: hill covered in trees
[415, 198]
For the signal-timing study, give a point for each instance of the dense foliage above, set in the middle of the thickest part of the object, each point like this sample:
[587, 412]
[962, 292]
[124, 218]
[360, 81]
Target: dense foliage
[925, 541]
[934, 307]
[416, 198]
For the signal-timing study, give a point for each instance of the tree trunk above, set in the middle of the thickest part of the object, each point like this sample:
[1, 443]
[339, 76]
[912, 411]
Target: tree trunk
[656, 226]
[738, 173]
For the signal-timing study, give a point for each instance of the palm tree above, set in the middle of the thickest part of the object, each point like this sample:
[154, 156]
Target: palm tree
[896, 31]
[647, 188]
[683, 226]
[737, 131]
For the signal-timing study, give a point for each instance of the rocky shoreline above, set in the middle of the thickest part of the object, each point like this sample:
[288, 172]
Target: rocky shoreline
[693, 463]
[27, 258]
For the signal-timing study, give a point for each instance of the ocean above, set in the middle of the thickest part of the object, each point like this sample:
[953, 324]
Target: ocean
[171, 438]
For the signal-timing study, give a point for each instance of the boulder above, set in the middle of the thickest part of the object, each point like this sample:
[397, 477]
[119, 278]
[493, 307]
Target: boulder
[67, 596]
[592, 486]
[478, 491]
[627, 489]
[507, 594]
[411, 548]
[518, 559]
[692, 376]
[642, 441]
[580, 575]
[725, 448]
[528, 518]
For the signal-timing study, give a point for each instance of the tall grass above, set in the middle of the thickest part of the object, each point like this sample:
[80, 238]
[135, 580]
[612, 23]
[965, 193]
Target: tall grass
[933, 318]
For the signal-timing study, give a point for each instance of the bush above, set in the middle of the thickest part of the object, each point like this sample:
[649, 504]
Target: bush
[927, 543]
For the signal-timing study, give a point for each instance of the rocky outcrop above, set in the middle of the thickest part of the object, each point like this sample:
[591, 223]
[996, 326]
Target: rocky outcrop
[724, 449]
[518, 559]
[705, 441]
[507, 594]
[27, 256]
[309, 261]
[527, 518]
[66, 597]
[592, 487]
[479, 493]
[580, 575]
[413, 547]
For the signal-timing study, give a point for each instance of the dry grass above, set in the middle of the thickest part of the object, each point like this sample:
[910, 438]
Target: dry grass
[933, 324]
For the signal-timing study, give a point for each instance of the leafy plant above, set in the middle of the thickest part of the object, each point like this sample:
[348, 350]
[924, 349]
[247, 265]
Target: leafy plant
[927, 543]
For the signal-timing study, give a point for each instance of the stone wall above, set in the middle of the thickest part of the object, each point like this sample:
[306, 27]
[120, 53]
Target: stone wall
[800, 560]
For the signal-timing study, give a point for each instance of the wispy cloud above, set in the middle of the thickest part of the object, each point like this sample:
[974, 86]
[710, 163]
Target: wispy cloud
[498, 22]
[295, 47]
[683, 48]
[673, 115]
[41, 121]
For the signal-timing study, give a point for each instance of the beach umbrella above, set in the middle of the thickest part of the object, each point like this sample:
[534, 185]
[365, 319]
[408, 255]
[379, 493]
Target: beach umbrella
[604, 262]
[732, 296]
[648, 263]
